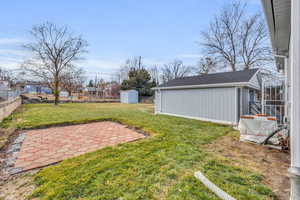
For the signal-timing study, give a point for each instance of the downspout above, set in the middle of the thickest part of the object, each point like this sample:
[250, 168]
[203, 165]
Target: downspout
[294, 170]
[286, 91]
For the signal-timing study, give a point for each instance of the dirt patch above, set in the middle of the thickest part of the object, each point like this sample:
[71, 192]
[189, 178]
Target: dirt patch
[271, 163]
[18, 187]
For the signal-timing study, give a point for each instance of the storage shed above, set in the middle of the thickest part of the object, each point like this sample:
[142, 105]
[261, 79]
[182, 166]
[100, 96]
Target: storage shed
[129, 96]
[219, 97]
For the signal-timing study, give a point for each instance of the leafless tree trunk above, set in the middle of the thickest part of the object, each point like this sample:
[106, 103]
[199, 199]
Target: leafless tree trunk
[135, 62]
[175, 69]
[131, 63]
[55, 50]
[237, 39]
[154, 72]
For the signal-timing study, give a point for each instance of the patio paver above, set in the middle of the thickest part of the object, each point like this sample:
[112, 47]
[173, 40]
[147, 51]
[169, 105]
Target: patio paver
[43, 147]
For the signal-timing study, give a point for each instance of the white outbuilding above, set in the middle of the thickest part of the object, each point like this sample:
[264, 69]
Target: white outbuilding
[218, 97]
[129, 96]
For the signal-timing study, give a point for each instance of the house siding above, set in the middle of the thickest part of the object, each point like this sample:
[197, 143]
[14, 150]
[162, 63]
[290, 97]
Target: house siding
[211, 104]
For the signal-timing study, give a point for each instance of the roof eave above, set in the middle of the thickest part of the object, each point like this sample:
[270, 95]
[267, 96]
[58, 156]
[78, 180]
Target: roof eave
[269, 14]
[238, 84]
[278, 19]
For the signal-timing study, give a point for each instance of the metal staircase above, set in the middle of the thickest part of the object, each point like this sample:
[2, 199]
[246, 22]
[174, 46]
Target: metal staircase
[255, 108]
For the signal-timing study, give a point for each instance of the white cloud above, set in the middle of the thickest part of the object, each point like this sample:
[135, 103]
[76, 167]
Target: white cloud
[13, 52]
[97, 64]
[150, 61]
[10, 63]
[189, 56]
[12, 41]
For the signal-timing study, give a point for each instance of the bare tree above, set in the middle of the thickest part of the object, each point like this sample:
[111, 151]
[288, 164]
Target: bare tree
[122, 73]
[72, 80]
[135, 62]
[206, 65]
[6, 75]
[175, 69]
[55, 51]
[256, 49]
[130, 63]
[237, 39]
[154, 73]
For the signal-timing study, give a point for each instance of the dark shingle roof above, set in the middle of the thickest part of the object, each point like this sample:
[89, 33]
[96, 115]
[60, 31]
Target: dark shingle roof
[216, 78]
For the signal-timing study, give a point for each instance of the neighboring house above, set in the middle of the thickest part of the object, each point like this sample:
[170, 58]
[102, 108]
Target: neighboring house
[6, 92]
[107, 90]
[91, 90]
[112, 90]
[34, 88]
[219, 97]
[4, 85]
[64, 94]
[283, 17]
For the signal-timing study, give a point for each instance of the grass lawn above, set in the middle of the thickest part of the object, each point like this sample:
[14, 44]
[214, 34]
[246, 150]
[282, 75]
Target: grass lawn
[158, 167]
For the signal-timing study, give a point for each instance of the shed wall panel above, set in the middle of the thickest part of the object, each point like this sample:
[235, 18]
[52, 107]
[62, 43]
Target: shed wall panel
[129, 96]
[216, 104]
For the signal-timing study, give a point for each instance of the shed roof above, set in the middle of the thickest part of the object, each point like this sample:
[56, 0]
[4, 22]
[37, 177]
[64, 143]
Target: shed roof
[213, 79]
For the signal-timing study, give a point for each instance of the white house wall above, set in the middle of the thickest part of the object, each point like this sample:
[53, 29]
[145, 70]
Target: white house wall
[211, 104]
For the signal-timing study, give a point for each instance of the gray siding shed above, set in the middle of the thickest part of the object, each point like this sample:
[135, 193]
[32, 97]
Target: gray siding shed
[203, 104]
[217, 102]
[129, 96]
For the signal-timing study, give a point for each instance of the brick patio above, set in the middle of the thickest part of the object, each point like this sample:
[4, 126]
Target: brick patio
[47, 146]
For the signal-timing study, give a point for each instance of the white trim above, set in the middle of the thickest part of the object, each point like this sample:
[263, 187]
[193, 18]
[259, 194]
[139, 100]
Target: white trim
[236, 105]
[295, 85]
[240, 84]
[295, 100]
[160, 100]
[248, 101]
[200, 118]
[241, 101]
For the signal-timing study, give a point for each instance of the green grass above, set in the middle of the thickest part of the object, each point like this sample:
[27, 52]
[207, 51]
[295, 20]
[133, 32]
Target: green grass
[158, 167]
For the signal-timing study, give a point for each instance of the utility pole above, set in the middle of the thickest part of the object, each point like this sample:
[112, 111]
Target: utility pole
[294, 170]
[140, 62]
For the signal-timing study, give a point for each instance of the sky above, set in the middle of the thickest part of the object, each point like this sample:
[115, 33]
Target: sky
[158, 30]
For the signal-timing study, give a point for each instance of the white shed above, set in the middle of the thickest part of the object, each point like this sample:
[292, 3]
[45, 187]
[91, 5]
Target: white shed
[219, 97]
[129, 96]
